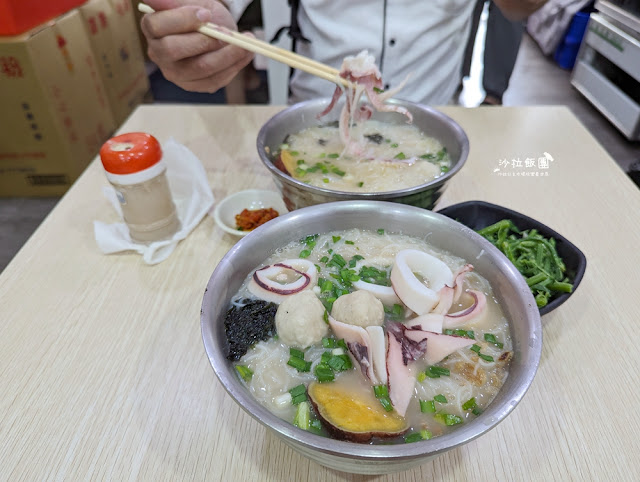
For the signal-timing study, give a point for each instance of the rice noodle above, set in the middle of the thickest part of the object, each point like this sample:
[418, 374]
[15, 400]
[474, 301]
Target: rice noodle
[272, 377]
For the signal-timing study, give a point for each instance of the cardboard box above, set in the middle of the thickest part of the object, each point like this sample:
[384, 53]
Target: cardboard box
[53, 108]
[114, 39]
[18, 16]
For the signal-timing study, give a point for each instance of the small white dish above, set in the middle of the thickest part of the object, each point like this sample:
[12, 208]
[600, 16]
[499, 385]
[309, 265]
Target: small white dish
[226, 210]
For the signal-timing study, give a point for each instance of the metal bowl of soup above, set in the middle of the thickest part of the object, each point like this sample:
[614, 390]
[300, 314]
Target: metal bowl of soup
[509, 289]
[296, 118]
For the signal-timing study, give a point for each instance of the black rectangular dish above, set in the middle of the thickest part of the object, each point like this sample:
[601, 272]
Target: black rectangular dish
[479, 214]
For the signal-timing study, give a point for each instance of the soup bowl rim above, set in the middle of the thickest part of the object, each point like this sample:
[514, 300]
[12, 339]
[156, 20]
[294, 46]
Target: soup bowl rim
[317, 105]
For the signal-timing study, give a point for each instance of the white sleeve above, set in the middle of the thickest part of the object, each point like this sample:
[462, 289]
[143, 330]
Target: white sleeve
[236, 7]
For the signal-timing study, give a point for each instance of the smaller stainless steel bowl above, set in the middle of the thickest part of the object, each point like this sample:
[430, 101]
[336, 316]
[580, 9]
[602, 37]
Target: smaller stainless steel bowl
[300, 116]
[508, 285]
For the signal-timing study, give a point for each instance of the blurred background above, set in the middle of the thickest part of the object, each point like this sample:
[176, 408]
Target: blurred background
[72, 71]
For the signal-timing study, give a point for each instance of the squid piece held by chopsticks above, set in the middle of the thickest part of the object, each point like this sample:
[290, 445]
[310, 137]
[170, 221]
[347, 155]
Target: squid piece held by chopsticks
[364, 74]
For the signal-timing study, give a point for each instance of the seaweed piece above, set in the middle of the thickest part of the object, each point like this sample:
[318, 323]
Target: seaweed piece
[247, 325]
[375, 138]
[322, 142]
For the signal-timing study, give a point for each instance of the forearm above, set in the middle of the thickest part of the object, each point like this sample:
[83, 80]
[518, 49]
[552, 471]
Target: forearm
[519, 9]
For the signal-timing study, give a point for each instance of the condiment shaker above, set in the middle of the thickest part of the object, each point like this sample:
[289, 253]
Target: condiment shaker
[134, 167]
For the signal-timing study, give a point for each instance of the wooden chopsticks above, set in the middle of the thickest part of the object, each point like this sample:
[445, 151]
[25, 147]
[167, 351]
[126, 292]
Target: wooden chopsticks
[264, 48]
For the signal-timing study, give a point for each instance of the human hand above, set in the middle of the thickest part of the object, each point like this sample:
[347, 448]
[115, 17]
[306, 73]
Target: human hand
[186, 57]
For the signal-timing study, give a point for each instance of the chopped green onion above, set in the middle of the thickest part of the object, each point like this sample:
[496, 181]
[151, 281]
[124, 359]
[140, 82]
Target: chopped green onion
[360, 184]
[447, 419]
[300, 161]
[428, 406]
[328, 342]
[299, 399]
[337, 171]
[476, 348]
[324, 373]
[380, 231]
[315, 426]
[305, 253]
[298, 394]
[425, 406]
[324, 259]
[436, 372]
[431, 374]
[488, 358]
[337, 261]
[465, 333]
[298, 390]
[325, 180]
[349, 242]
[386, 403]
[333, 156]
[492, 339]
[397, 312]
[336, 238]
[400, 155]
[476, 411]
[469, 404]
[310, 240]
[380, 391]
[325, 317]
[294, 153]
[421, 376]
[244, 372]
[340, 363]
[374, 276]
[413, 437]
[440, 398]
[394, 145]
[299, 364]
[427, 156]
[302, 416]
[378, 90]
[354, 260]
[418, 436]
[297, 353]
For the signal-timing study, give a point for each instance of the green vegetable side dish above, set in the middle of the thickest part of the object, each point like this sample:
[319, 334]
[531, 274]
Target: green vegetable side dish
[534, 256]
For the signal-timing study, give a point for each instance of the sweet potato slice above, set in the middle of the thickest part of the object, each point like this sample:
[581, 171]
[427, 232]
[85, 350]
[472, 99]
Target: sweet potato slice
[288, 162]
[349, 415]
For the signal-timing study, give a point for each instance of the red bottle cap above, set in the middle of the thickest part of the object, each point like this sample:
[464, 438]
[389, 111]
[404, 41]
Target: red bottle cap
[129, 153]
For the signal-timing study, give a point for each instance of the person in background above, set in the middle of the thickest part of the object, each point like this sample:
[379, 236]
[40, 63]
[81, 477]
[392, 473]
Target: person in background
[424, 38]
[501, 46]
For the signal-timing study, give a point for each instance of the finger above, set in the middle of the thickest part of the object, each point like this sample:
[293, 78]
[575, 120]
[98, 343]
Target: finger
[168, 4]
[208, 64]
[175, 21]
[177, 47]
[216, 82]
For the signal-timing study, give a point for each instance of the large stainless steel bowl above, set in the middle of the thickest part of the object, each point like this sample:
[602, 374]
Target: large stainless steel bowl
[509, 287]
[293, 119]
